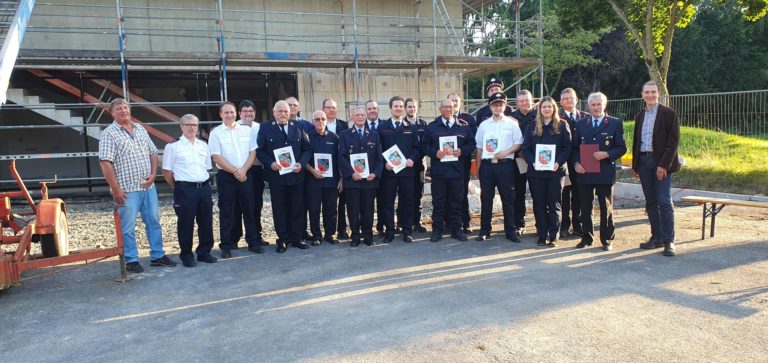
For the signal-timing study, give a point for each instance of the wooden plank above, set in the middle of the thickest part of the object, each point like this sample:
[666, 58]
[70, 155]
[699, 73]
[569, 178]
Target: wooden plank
[724, 201]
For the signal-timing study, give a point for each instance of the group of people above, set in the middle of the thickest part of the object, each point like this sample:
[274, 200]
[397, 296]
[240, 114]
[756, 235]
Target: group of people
[345, 172]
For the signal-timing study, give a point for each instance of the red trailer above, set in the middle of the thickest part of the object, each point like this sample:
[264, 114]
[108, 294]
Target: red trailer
[45, 223]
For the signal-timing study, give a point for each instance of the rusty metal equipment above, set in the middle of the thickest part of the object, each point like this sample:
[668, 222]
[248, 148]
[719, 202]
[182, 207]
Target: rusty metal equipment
[45, 223]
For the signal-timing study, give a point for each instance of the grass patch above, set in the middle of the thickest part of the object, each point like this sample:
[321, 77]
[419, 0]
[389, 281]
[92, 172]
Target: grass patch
[718, 161]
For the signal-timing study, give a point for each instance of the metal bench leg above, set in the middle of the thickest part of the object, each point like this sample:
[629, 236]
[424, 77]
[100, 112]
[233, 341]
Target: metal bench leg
[712, 224]
[703, 220]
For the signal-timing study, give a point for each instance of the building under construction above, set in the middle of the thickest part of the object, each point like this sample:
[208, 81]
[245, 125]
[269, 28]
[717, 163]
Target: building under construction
[171, 57]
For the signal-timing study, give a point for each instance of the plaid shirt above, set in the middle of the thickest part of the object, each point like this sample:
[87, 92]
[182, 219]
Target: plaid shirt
[129, 154]
[646, 136]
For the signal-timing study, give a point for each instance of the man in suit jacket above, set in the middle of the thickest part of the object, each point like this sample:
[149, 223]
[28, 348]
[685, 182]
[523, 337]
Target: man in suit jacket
[654, 159]
[337, 125]
[285, 189]
[608, 133]
[359, 139]
[571, 205]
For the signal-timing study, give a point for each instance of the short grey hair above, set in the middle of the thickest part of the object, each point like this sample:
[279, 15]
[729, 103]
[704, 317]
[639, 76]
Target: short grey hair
[188, 117]
[525, 92]
[118, 101]
[568, 90]
[355, 108]
[595, 95]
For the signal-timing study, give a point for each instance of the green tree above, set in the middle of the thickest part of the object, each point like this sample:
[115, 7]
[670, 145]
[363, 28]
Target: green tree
[650, 24]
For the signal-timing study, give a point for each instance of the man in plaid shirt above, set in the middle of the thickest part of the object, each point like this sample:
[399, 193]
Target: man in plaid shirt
[128, 160]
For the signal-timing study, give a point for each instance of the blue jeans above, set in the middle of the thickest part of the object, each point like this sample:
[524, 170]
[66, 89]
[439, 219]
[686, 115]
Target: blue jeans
[144, 202]
[658, 200]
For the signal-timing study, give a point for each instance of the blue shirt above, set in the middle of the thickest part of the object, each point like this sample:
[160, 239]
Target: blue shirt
[646, 136]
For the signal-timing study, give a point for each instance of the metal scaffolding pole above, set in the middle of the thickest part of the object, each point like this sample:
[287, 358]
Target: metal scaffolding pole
[434, 53]
[357, 53]
[222, 50]
[541, 51]
[121, 45]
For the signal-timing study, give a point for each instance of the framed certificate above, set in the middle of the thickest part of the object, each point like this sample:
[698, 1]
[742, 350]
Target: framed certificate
[448, 144]
[285, 159]
[544, 159]
[395, 158]
[360, 164]
[490, 147]
[324, 164]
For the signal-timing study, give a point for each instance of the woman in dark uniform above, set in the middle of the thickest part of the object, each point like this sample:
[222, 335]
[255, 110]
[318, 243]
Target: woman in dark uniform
[546, 168]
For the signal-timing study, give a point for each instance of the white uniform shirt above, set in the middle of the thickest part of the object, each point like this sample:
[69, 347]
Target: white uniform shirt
[506, 129]
[188, 161]
[233, 144]
[332, 126]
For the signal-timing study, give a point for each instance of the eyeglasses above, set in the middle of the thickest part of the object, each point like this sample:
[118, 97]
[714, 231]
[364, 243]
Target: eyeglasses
[282, 111]
[191, 125]
[320, 119]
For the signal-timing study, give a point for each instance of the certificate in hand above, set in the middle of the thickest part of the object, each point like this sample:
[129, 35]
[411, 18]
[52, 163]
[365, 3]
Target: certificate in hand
[285, 159]
[324, 165]
[360, 164]
[545, 157]
[395, 158]
[587, 158]
[448, 144]
[490, 147]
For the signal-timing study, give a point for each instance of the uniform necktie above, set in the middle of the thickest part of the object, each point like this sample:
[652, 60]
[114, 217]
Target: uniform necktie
[397, 126]
[373, 125]
[594, 123]
[285, 130]
[360, 133]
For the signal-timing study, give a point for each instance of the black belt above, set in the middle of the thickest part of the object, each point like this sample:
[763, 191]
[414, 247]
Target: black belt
[193, 184]
[646, 153]
[500, 161]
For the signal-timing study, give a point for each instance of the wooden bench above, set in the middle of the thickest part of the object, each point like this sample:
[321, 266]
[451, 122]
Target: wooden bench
[713, 206]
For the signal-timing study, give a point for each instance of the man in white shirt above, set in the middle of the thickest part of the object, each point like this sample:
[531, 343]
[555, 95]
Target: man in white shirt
[185, 167]
[233, 150]
[498, 138]
[337, 125]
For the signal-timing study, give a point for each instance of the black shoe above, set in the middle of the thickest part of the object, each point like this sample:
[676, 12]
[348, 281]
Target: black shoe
[188, 262]
[578, 232]
[651, 244]
[281, 247]
[607, 247]
[316, 242]
[331, 240]
[669, 249]
[483, 236]
[226, 254]
[300, 245]
[564, 233]
[466, 230]
[256, 249]
[164, 261]
[369, 242]
[552, 244]
[388, 239]
[355, 242]
[206, 258]
[134, 267]
[407, 238]
[436, 236]
[515, 238]
[419, 228]
[583, 244]
[235, 246]
[541, 242]
[342, 235]
[459, 236]
[263, 243]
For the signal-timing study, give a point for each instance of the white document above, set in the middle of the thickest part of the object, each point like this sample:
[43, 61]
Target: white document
[448, 144]
[490, 147]
[544, 159]
[360, 164]
[324, 164]
[285, 159]
[395, 158]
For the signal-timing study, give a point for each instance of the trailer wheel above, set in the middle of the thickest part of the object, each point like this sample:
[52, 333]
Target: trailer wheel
[56, 244]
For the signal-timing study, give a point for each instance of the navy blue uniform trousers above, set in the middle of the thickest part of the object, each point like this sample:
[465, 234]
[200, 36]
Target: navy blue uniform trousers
[193, 203]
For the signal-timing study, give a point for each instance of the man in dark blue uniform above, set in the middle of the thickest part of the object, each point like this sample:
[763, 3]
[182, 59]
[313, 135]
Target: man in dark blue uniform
[608, 133]
[360, 190]
[571, 205]
[494, 85]
[411, 115]
[447, 170]
[466, 159]
[525, 116]
[287, 200]
[400, 185]
[337, 125]
[373, 122]
[322, 190]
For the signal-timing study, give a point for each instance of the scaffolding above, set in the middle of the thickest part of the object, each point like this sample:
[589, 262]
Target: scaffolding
[127, 36]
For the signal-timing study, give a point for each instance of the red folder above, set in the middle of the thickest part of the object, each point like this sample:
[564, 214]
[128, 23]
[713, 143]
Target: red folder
[587, 156]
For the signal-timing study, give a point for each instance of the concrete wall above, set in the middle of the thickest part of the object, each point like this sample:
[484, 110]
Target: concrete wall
[250, 26]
